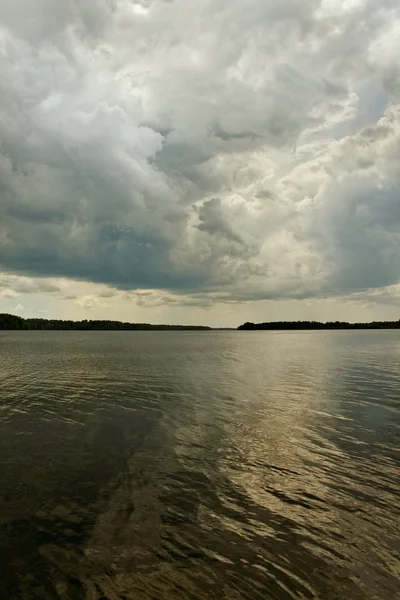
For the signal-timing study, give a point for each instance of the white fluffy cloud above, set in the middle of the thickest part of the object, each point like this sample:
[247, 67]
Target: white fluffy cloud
[213, 151]
[90, 301]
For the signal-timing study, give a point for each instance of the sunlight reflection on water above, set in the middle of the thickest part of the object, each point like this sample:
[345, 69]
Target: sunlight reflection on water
[200, 465]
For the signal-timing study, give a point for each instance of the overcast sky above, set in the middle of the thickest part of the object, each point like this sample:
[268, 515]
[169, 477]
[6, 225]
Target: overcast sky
[198, 161]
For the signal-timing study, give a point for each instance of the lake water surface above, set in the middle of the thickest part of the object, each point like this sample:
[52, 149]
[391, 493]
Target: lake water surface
[200, 465]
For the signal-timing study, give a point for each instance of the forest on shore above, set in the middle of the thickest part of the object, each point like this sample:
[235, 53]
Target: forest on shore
[8, 321]
[307, 325]
[14, 322]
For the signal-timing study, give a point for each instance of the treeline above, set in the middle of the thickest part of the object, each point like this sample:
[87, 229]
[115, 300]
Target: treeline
[8, 321]
[13, 322]
[307, 325]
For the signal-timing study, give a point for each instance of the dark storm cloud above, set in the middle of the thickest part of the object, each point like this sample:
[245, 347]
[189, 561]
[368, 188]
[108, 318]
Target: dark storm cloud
[195, 146]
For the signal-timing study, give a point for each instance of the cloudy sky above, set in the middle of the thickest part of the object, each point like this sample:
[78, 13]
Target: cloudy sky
[200, 161]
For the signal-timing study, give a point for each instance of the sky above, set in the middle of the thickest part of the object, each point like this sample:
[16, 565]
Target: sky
[200, 162]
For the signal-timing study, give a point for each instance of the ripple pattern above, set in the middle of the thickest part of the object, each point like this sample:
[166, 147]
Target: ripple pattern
[200, 465]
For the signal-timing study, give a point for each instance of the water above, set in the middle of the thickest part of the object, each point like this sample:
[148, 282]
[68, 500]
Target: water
[169, 465]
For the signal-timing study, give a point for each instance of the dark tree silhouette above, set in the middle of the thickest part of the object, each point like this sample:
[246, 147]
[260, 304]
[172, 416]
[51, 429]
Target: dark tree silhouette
[308, 325]
[8, 321]
[13, 322]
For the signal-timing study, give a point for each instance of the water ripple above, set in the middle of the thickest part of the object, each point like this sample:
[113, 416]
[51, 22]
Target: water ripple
[152, 465]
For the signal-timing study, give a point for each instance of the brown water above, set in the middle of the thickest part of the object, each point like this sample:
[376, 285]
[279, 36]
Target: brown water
[239, 465]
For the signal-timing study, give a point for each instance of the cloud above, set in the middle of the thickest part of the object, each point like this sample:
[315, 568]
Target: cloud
[8, 294]
[90, 301]
[12, 286]
[389, 295]
[234, 149]
[108, 293]
[154, 298]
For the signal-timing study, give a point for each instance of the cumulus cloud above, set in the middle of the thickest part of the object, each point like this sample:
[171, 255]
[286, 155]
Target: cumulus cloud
[12, 286]
[8, 294]
[200, 150]
[90, 301]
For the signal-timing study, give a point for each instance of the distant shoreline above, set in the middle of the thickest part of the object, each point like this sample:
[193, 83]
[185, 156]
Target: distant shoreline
[13, 322]
[315, 325]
